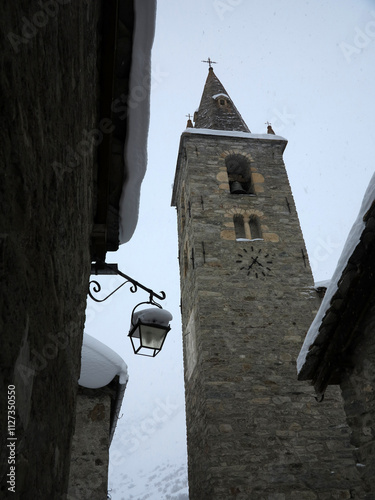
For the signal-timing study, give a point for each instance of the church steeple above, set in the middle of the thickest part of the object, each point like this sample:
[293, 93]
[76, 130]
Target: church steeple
[216, 110]
[247, 300]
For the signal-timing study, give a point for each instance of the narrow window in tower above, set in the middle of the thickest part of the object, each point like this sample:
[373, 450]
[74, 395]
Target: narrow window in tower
[239, 227]
[255, 230]
[239, 174]
[186, 261]
[182, 210]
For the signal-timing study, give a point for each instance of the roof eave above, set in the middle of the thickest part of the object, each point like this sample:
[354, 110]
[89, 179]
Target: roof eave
[340, 329]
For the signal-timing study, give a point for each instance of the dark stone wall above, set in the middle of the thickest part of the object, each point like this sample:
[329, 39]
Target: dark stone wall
[49, 92]
[359, 397]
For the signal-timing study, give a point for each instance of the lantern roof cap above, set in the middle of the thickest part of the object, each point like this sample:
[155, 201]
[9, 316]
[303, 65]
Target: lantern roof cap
[152, 315]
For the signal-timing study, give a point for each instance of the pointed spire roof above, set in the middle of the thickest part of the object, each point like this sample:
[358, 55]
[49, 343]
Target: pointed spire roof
[216, 110]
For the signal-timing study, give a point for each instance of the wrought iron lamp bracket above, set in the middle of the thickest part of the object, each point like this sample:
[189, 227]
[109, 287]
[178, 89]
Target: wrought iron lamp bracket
[95, 287]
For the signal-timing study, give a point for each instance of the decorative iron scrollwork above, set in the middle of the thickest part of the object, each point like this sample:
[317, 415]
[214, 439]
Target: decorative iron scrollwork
[95, 287]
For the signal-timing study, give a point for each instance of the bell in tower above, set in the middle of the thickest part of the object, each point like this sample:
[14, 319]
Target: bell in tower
[236, 187]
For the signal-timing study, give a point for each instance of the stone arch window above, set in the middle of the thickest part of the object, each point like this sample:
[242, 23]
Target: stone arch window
[222, 100]
[239, 226]
[239, 174]
[255, 230]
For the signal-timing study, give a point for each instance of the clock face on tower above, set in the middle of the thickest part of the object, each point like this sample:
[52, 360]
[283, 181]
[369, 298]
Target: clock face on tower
[255, 262]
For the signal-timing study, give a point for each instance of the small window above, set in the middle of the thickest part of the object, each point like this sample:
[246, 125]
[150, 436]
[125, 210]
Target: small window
[186, 261]
[239, 175]
[222, 102]
[239, 227]
[183, 210]
[255, 230]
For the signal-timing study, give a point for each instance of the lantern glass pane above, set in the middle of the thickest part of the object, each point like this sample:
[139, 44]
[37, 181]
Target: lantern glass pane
[136, 333]
[152, 337]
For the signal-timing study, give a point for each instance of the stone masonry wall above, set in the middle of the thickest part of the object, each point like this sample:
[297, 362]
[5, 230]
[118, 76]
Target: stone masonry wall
[90, 449]
[253, 430]
[358, 390]
[49, 91]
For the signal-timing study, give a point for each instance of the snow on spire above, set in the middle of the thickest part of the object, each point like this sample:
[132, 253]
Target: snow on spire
[216, 110]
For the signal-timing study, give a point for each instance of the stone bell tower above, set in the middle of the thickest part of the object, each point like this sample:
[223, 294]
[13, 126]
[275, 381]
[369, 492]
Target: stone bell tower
[254, 432]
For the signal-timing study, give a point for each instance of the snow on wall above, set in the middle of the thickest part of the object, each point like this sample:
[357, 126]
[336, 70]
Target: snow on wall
[350, 245]
[233, 133]
[100, 364]
[135, 151]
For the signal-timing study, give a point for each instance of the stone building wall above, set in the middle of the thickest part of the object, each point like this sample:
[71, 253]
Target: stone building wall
[359, 398]
[90, 448]
[49, 92]
[253, 430]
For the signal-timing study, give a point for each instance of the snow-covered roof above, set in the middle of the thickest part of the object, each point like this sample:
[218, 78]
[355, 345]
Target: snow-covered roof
[233, 133]
[351, 244]
[135, 150]
[100, 364]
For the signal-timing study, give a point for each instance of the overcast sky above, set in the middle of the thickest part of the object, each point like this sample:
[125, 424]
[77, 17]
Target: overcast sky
[308, 68]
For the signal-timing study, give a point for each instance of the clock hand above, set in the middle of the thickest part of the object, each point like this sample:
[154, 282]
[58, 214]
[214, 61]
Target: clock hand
[254, 260]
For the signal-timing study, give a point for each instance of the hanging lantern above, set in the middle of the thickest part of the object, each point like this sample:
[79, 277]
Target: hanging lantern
[149, 327]
[148, 331]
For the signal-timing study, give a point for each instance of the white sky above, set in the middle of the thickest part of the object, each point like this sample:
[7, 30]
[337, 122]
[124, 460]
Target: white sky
[308, 68]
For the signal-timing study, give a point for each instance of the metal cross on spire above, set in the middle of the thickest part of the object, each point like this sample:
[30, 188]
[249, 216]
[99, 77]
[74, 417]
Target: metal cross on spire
[189, 122]
[210, 62]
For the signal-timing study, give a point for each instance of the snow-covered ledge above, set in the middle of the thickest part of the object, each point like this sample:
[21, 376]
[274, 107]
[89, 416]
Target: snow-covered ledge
[100, 364]
[135, 151]
[233, 133]
[216, 96]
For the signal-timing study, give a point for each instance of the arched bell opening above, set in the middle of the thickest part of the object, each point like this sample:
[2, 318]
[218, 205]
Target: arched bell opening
[239, 174]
